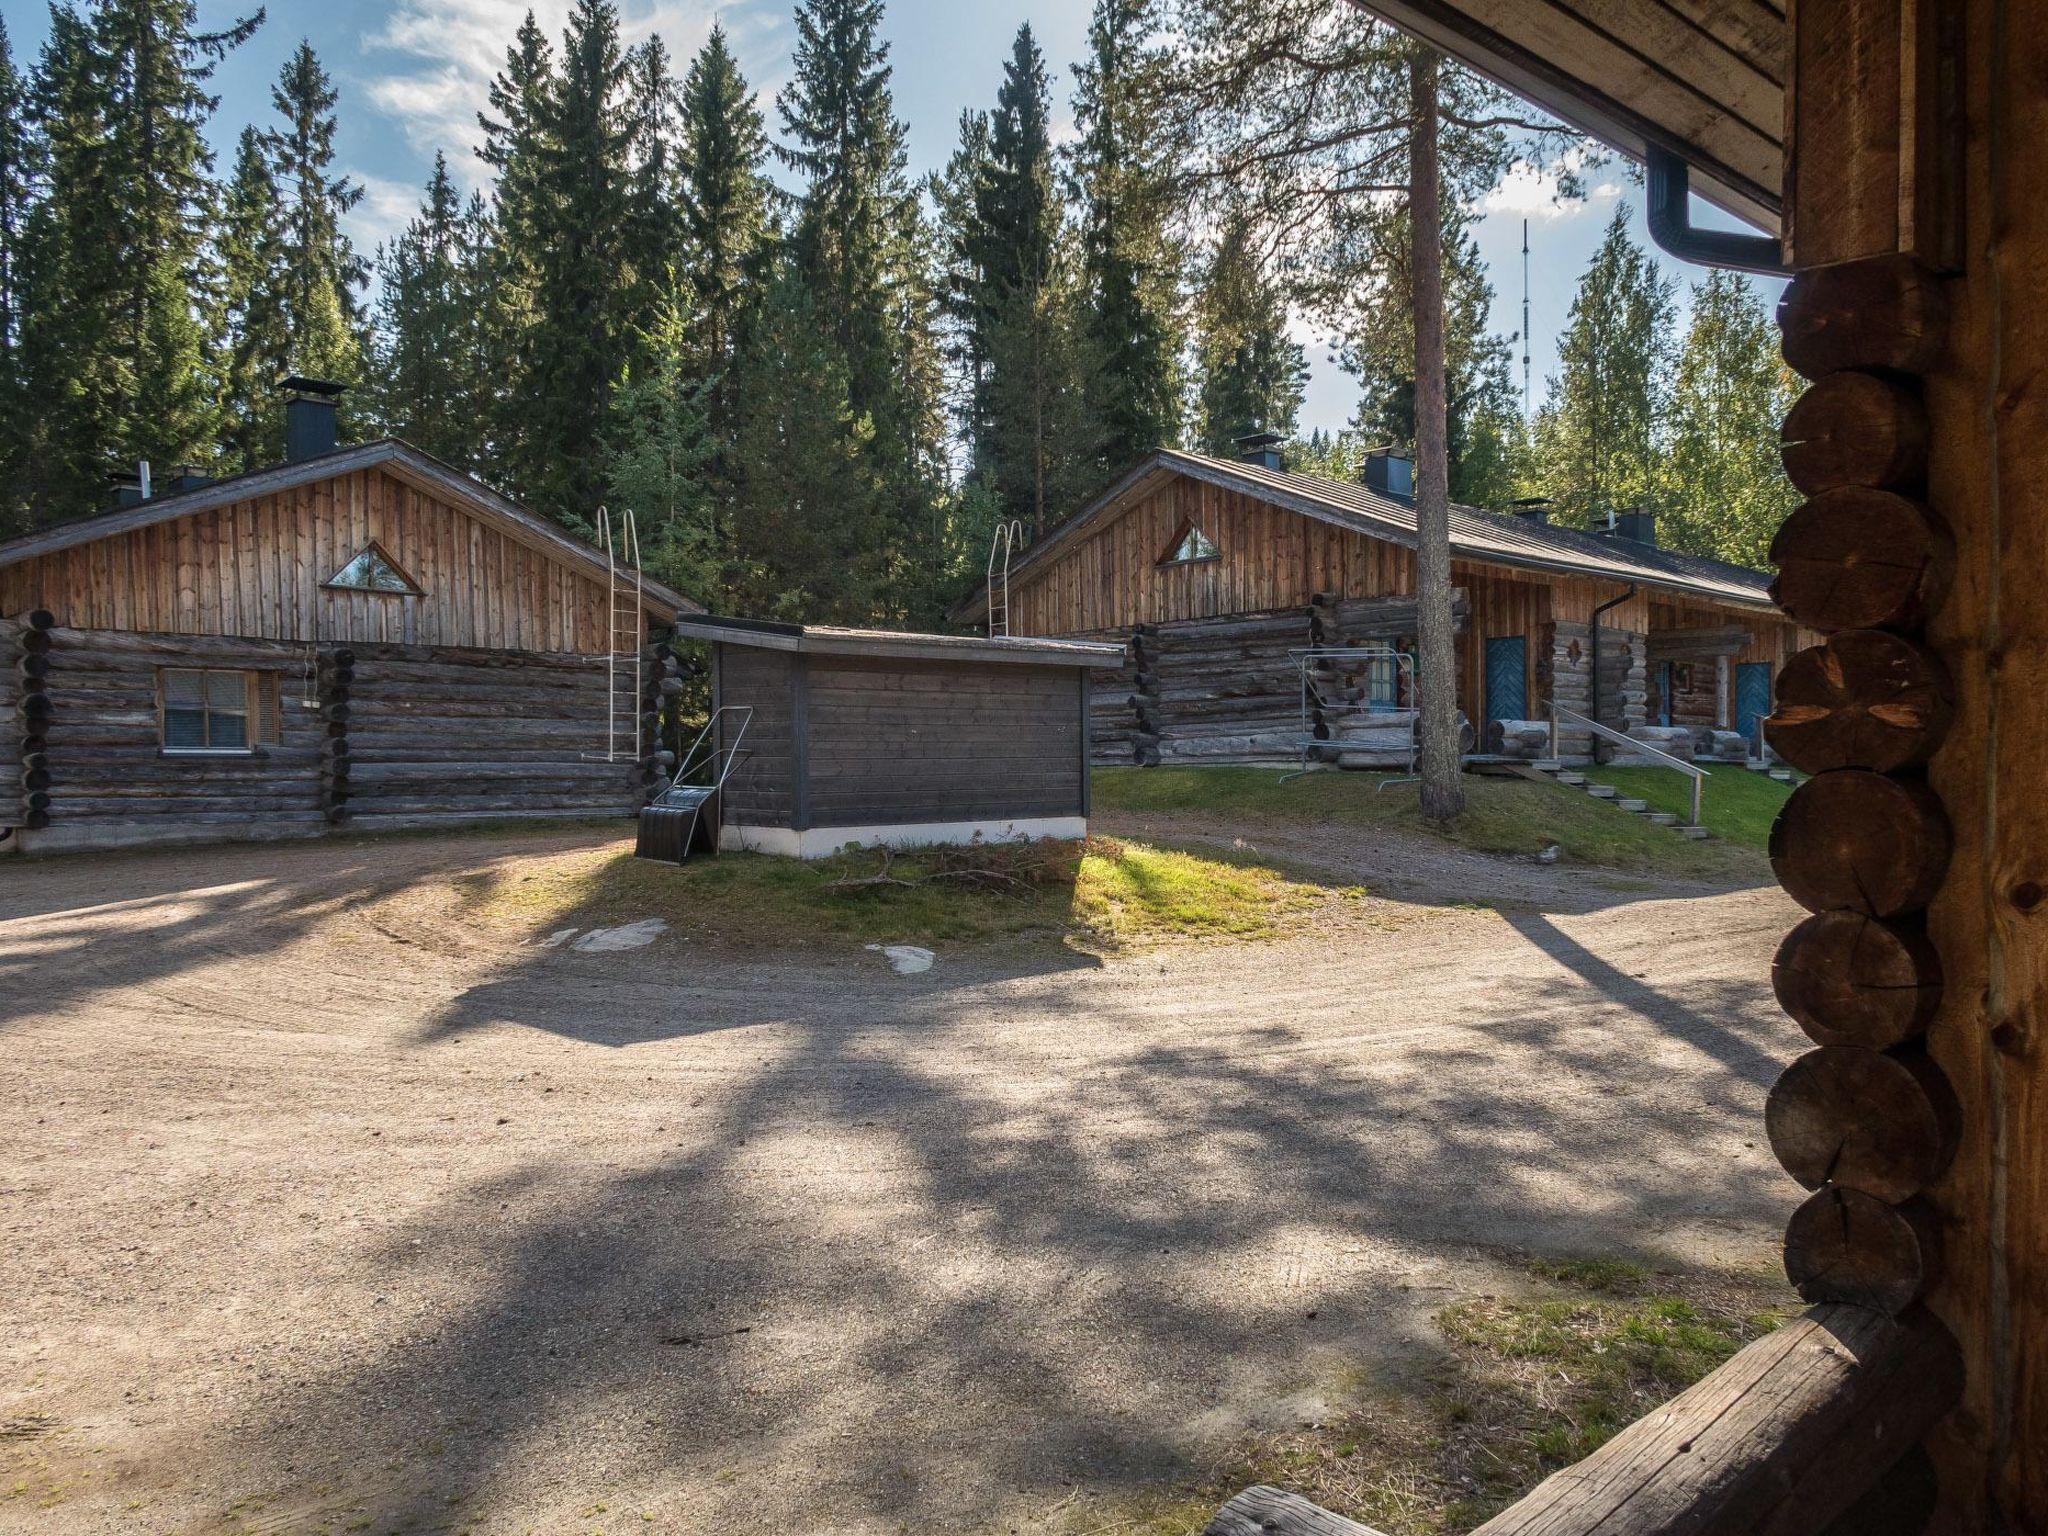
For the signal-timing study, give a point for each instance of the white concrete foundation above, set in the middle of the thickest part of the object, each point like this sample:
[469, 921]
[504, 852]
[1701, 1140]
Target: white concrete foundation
[822, 842]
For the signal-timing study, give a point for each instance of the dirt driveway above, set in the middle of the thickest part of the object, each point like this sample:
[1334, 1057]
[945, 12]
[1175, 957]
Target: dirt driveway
[322, 1211]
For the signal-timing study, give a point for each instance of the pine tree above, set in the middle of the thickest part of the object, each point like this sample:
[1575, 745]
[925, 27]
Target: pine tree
[253, 332]
[1725, 492]
[724, 207]
[430, 365]
[1130, 263]
[1597, 438]
[1250, 374]
[323, 275]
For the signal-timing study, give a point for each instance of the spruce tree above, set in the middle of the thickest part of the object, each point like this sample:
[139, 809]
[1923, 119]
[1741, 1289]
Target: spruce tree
[1724, 489]
[20, 172]
[1251, 375]
[253, 334]
[658, 456]
[581, 312]
[655, 244]
[724, 205]
[430, 363]
[1131, 264]
[322, 275]
[1598, 436]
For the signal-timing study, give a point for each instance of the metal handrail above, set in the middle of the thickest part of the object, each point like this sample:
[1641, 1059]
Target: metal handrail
[1697, 773]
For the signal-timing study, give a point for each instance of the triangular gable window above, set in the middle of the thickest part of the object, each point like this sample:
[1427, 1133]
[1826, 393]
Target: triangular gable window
[1188, 545]
[373, 571]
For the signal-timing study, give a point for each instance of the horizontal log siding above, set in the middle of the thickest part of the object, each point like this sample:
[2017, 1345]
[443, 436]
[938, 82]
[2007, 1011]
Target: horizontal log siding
[901, 743]
[443, 731]
[255, 569]
[11, 726]
[1711, 699]
[762, 790]
[109, 778]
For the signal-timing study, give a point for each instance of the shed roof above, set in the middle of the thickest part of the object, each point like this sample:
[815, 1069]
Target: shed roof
[417, 468]
[1493, 537]
[833, 640]
[1704, 79]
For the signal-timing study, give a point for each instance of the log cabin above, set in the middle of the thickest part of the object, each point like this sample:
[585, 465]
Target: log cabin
[1890, 154]
[1217, 572]
[360, 636]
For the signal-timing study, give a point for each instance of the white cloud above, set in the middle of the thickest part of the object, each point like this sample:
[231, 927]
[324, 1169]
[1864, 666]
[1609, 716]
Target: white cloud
[449, 50]
[386, 208]
[1529, 193]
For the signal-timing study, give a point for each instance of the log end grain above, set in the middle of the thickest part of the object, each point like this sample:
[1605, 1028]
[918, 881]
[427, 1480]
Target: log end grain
[1855, 558]
[1855, 429]
[1882, 1123]
[1864, 698]
[1857, 841]
[1845, 1245]
[1849, 979]
[1887, 312]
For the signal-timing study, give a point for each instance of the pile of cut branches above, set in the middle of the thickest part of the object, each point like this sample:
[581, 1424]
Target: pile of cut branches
[1009, 869]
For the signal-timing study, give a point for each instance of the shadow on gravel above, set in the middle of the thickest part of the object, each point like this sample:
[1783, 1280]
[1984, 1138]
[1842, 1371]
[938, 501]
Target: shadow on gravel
[1049, 1290]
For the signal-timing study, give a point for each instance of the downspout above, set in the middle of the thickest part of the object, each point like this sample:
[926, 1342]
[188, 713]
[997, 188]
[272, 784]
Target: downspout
[1669, 216]
[1612, 602]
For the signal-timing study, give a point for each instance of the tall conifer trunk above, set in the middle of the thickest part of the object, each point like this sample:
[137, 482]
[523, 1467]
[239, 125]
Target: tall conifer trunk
[1443, 796]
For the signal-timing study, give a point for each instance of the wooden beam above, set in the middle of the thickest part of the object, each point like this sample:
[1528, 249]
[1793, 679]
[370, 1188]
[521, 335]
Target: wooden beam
[1782, 1440]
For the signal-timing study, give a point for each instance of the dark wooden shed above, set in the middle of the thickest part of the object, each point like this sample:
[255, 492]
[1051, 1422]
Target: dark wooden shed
[904, 740]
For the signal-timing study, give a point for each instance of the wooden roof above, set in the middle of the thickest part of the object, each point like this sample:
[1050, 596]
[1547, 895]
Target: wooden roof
[833, 640]
[1491, 537]
[1702, 78]
[399, 459]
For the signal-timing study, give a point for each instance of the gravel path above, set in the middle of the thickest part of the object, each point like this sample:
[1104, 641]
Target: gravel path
[319, 1206]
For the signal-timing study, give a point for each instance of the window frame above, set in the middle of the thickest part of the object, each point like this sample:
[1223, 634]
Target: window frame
[1180, 535]
[412, 587]
[260, 698]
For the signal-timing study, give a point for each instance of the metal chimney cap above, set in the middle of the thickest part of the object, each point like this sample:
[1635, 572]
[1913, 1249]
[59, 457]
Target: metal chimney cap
[1260, 440]
[299, 384]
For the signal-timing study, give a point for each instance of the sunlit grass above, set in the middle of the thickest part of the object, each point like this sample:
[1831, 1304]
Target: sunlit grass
[1106, 893]
[1527, 1385]
[1735, 803]
[1502, 815]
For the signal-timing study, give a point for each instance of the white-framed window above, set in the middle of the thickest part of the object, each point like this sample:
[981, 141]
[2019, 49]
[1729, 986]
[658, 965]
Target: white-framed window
[215, 709]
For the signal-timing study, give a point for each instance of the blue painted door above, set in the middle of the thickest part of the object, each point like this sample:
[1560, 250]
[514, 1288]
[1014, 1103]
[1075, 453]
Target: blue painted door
[1665, 676]
[1507, 678]
[1752, 697]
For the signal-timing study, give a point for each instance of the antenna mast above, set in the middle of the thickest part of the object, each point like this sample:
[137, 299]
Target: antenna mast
[1527, 398]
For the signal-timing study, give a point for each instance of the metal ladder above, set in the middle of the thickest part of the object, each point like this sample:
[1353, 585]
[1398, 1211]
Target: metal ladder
[1000, 548]
[625, 633]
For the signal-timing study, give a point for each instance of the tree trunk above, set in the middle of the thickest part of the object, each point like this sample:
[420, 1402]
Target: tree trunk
[1443, 795]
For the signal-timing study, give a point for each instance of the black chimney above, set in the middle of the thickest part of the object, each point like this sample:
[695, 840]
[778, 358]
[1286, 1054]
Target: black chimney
[1261, 448]
[1390, 473]
[1639, 524]
[1535, 509]
[309, 412]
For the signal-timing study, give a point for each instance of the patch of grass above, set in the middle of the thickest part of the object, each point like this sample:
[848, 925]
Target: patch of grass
[1527, 1385]
[1107, 893]
[1735, 804]
[1502, 815]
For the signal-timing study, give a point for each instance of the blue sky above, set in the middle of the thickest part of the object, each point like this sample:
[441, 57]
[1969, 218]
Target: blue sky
[412, 76]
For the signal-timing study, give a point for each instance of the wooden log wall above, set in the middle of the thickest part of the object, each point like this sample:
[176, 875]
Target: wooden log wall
[438, 731]
[17, 677]
[1220, 690]
[1868, 1120]
[382, 735]
[258, 569]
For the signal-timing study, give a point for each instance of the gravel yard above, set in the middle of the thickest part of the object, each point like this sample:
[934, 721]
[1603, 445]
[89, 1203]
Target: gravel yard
[324, 1207]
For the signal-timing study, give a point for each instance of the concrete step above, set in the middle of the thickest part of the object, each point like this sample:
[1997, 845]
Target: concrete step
[1635, 807]
[1782, 775]
[1547, 765]
[1664, 818]
[1571, 778]
[1694, 834]
[1602, 791]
